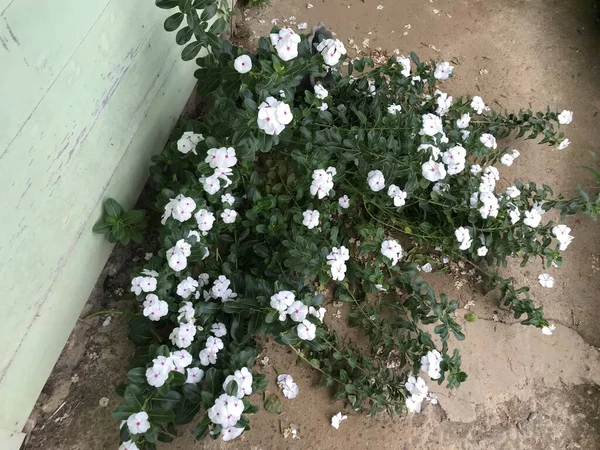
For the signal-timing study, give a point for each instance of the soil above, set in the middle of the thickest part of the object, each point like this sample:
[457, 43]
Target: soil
[525, 390]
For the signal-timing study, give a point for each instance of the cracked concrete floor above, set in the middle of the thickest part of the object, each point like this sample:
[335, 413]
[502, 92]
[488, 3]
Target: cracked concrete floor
[525, 390]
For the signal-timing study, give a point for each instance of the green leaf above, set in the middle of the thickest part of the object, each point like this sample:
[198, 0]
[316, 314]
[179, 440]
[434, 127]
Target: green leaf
[161, 415]
[272, 403]
[134, 396]
[134, 216]
[184, 35]
[208, 13]
[122, 412]
[167, 4]
[176, 378]
[137, 375]
[232, 388]
[173, 22]
[259, 382]
[202, 428]
[192, 393]
[112, 207]
[102, 227]
[152, 434]
[190, 51]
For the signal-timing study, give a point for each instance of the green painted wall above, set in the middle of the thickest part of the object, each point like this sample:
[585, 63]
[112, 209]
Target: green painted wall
[90, 90]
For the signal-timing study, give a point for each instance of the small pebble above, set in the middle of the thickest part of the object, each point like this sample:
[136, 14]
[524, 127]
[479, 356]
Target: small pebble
[103, 402]
[532, 415]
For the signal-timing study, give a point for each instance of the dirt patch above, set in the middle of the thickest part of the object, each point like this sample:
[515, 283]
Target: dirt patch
[525, 390]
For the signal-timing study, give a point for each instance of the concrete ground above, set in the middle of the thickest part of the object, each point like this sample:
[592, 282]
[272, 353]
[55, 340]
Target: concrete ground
[525, 390]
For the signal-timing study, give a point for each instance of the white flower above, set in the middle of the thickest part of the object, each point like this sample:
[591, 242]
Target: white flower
[183, 335]
[203, 280]
[337, 419]
[322, 183]
[482, 251]
[435, 152]
[331, 50]
[138, 423]
[344, 202]
[549, 329]
[297, 311]
[475, 169]
[337, 260]
[397, 194]
[477, 104]
[311, 218]
[281, 301]
[464, 120]
[564, 144]
[433, 171]
[376, 180]
[205, 219]
[405, 63]
[324, 106]
[413, 406]
[320, 92]
[156, 377]
[222, 158]
[391, 249]
[443, 70]
[306, 330]
[188, 141]
[187, 311]
[432, 125]
[512, 192]
[454, 169]
[454, 155]
[465, 134]
[444, 102]
[180, 208]
[155, 309]
[207, 357]
[515, 215]
[562, 234]
[128, 445]
[532, 218]
[417, 388]
[380, 288]
[228, 199]
[565, 117]
[393, 109]
[286, 43]
[463, 236]
[137, 285]
[430, 364]
[284, 113]
[187, 287]
[231, 433]
[287, 385]
[488, 140]
[243, 378]
[440, 187]
[220, 289]
[507, 159]
[194, 375]
[181, 358]
[267, 117]
[226, 411]
[243, 64]
[546, 280]
[318, 313]
[228, 215]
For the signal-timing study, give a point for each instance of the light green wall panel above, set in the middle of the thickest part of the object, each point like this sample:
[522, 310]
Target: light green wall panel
[90, 91]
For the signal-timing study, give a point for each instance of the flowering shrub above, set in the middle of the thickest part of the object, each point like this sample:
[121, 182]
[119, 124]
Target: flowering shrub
[274, 205]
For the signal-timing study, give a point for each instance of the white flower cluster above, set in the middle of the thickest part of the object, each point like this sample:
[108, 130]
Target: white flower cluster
[397, 195]
[322, 182]
[430, 364]
[337, 262]
[180, 208]
[286, 43]
[418, 390]
[188, 141]
[273, 116]
[221, 160]
[376, 180]
[183, 335]
[331, 50]
[177, 361]
[143, 284]
[220, 289]
[443, 101]
[154, 308]
[226, 412]
[463, 236]
[177, 255]
[563, 235]
[391, 249]
[508, 158]
[243, 379]
[286, 304]
[287, 385]
[404, 62]
[310, 218]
